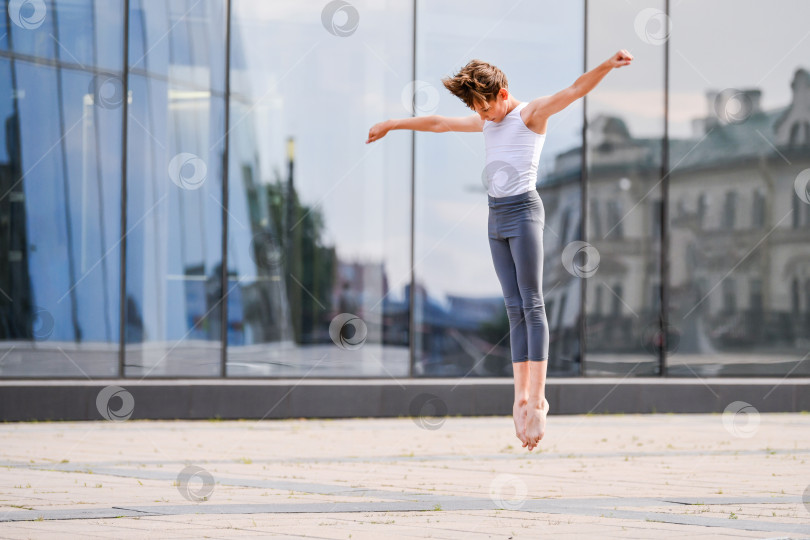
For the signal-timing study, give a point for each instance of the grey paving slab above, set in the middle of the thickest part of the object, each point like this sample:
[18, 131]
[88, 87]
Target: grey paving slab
[611, 476]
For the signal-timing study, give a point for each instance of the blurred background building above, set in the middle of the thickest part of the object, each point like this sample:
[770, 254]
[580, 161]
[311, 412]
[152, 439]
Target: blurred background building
[185, 190]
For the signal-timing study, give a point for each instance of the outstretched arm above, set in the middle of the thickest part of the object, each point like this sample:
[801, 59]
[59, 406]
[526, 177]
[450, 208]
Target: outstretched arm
[433, 122]
[541, 108]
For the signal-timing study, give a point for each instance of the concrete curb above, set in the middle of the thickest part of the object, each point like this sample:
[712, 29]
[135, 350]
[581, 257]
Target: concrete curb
[345, 398]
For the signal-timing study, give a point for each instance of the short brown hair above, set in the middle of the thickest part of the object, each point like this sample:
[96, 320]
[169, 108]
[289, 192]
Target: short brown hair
[476, 83]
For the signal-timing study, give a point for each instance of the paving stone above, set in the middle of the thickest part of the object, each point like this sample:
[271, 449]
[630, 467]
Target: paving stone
[608, 476]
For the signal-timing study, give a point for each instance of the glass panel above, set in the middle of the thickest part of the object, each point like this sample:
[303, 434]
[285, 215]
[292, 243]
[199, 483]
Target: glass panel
[82, 26]
[30, 27]
[179, 40]
[74, 31]
[174, 188]
[5, 28]
[621, 261]
[739, 148]
[60, 198]
[319, 223]
[460, 311]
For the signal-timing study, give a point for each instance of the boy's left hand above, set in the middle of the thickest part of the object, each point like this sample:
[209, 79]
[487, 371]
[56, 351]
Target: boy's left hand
[621, 58]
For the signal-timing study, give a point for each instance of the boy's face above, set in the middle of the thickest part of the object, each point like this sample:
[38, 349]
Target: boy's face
[495, 109]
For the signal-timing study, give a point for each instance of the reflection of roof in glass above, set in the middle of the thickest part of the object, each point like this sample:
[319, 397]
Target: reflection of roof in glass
[721, 145]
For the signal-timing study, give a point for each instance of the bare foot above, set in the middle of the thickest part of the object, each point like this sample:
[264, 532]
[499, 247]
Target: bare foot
[536, 423]
[519, 413]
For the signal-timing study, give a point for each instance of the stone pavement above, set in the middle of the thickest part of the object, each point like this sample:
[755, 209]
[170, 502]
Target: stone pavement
[606, 476]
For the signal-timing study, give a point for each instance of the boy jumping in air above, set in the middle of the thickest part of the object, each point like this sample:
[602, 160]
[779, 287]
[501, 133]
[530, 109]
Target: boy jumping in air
[514, 133]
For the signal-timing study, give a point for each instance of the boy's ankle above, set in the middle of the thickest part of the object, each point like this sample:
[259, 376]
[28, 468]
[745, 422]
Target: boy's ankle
[537, 403]
[521, 401]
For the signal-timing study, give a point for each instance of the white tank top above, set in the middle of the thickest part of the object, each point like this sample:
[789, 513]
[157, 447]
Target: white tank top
[512, 154]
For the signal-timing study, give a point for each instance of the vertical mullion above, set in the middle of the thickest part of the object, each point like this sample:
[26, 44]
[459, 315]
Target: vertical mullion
[583, 195]
[123, 251]
[412, 296]
[664, 289]
[223, 371]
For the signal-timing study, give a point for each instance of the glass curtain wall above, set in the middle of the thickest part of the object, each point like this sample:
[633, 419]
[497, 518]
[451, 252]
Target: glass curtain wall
[60, 188]
[460, 322]
[319, 222]
[620, 261]
[739, 206]
[225, 164]
[175, 146]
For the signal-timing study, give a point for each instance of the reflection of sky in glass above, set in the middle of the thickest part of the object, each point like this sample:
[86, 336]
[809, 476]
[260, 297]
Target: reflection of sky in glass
[713, 45]
[292, 78]
[635, 93]
[740, 60]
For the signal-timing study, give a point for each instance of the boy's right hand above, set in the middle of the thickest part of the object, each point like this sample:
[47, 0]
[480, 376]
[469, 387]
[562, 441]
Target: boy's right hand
[377, 131]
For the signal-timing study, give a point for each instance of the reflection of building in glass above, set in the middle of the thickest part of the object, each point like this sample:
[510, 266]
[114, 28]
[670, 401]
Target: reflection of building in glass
[466, 336]
[560, 192]
[739, 249]
[358, 287]
[460, 336]
[740, 239]
[59, 203]
[112, 265]
[622, 300]
[16, 317]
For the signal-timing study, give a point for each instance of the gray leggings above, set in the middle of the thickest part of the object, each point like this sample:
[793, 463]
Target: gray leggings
[515, 227]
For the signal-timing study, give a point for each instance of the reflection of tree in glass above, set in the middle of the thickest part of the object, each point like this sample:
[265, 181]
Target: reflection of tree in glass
[307, 260]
